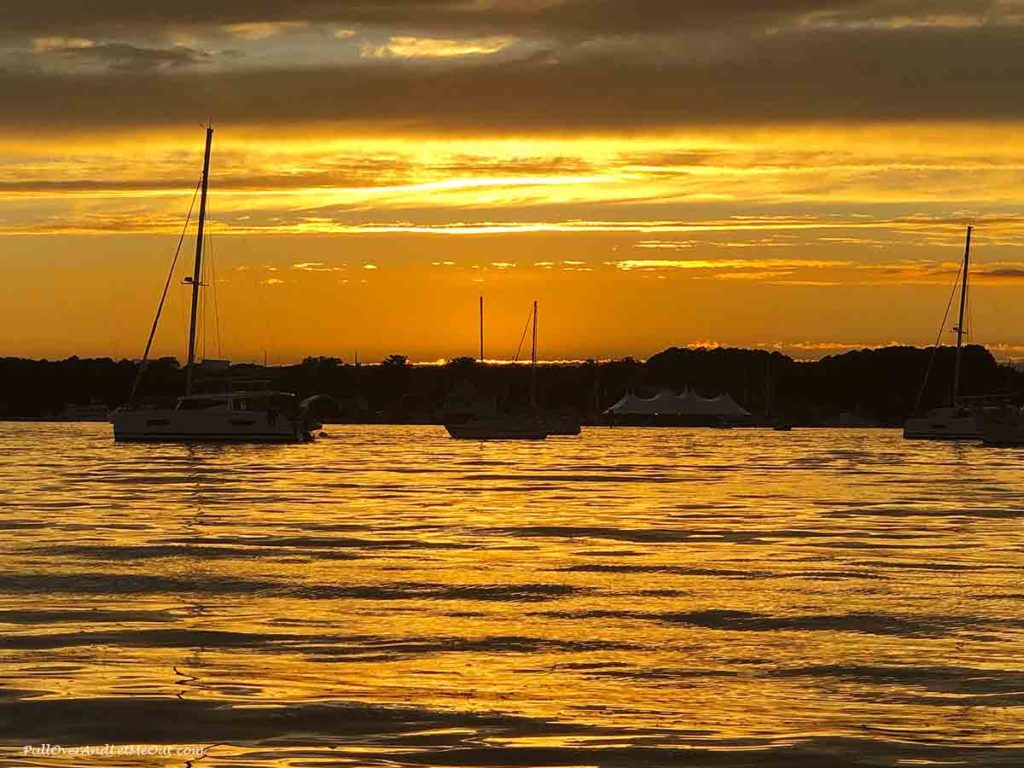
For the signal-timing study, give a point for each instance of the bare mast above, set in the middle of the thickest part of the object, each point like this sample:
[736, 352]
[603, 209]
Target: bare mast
[533, 361]
[481, 330]
[960, 322]
[197, 272]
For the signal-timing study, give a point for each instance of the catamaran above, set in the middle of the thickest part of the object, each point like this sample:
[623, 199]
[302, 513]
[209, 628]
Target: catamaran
[955, 421]
[254, 415]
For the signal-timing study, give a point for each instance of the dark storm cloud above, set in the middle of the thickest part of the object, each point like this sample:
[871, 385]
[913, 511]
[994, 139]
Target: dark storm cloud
[64, 16]
[1004, 273]
[593, 64]
[552, 17]
[124, 56]
[893, 74]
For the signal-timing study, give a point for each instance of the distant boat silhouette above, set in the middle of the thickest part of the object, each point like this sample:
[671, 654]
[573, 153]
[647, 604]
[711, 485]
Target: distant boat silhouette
[500, 427]
[529, 425]
[257, 415]
[955, 421]
[1002, 426]
[92, 412]
[567, 424]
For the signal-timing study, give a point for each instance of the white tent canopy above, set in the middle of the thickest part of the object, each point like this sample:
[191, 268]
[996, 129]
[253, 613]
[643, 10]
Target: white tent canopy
[668, 403]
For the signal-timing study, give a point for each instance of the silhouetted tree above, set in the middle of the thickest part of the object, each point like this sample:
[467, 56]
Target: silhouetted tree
[882, 385]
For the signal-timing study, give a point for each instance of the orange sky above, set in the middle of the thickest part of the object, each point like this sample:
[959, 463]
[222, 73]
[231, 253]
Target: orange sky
[822, 219]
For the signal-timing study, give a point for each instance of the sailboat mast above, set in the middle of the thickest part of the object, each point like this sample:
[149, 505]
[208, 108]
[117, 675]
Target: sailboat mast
[533, 361]
[481, 329]
[197, 271]
[960, 321]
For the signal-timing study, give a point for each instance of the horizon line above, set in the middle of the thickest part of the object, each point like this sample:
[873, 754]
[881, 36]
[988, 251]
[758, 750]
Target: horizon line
[440, 362]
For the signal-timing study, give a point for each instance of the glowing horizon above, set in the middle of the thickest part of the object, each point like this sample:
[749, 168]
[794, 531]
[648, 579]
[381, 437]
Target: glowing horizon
[376, 169]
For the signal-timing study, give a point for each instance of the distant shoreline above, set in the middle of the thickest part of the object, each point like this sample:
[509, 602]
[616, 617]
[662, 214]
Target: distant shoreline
[745, 427]
[878, 387]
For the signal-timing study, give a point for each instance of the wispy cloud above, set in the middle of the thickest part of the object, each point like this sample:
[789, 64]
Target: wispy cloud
[120, 56]
[435, 48]
[261, 30]
[49, 44]
[317, 266]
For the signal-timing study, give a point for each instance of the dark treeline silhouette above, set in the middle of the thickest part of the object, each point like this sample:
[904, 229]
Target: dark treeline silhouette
[878, 386]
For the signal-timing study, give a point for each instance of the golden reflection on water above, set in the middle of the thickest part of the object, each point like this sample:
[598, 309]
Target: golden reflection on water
[388, 596]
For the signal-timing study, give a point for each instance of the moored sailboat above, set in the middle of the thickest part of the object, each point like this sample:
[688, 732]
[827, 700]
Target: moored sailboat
[258, 415]
[500, 427]
[955, 421]
[1003, 426]
[529, 425]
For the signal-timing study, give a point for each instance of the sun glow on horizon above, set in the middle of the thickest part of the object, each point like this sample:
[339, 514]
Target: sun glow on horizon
[730, 226]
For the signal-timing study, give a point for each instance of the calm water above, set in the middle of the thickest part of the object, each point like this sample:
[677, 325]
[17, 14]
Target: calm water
[391, 597]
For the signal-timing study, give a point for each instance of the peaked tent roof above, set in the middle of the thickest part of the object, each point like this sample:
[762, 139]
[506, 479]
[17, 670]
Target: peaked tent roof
[668, 403]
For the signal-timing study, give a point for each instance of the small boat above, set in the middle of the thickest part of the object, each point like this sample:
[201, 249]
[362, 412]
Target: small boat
[1003, 426]
[91, 412]
[500, 427]
[955, 421]
[249, 416]
[563, 425]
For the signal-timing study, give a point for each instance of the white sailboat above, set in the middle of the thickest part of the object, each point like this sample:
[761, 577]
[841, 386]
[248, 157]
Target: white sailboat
[257, 415]
[955, 421]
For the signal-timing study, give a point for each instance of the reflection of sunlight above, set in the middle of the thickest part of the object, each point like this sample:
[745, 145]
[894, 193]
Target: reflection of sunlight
[546, 597]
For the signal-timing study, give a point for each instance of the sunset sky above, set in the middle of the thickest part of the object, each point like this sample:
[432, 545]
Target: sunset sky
[787, 174]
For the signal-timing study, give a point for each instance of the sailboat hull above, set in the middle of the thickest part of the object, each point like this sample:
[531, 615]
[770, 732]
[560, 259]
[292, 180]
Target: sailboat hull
[944, 424]
[498, 429]
[178, 426]
[563, 425]
[1003, 427]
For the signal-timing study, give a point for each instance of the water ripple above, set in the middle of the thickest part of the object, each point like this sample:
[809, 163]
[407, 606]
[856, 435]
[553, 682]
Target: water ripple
[391, 597]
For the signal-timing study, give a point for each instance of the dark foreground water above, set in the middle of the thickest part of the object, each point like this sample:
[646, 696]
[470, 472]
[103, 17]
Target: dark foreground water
[390, 597]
